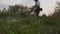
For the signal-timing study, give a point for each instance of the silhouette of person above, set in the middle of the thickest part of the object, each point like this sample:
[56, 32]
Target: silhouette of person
[37, 3]
[37, 6]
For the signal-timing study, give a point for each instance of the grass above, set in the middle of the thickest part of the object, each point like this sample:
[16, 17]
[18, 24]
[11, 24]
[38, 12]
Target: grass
[17, 24]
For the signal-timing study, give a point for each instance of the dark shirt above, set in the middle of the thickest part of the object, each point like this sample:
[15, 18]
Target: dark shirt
[37, 3]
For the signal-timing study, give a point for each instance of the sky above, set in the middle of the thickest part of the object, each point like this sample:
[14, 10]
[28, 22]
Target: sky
[47, 5]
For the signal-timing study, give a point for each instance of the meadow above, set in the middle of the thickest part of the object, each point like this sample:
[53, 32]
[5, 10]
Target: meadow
[19, 23]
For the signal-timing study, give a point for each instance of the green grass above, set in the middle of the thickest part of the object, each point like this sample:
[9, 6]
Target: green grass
[17, 24]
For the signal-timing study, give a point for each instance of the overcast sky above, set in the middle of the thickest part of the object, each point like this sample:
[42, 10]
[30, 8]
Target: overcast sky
[13, 2]
[47, 5]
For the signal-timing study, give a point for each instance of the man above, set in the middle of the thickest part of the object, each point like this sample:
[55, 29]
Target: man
[37, 3]
[37, 7]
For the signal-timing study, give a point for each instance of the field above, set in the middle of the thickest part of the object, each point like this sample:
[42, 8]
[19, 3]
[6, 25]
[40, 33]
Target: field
[14, 21]
[17, 24]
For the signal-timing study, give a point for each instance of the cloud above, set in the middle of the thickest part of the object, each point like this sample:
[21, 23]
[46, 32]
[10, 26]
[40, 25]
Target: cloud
[10, 2]
[47, 5]
[28, 2]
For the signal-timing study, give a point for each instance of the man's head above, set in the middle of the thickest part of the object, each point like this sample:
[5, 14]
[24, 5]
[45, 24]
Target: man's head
[35, 0]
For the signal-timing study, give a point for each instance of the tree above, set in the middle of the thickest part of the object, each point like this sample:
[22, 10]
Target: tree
[13, 9]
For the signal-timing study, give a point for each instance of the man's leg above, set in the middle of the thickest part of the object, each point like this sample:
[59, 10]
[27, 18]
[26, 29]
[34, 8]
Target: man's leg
[38, 10]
